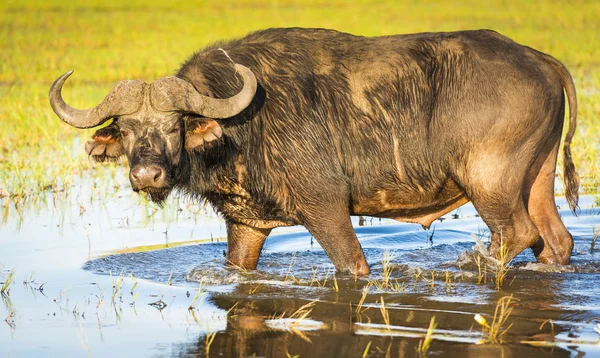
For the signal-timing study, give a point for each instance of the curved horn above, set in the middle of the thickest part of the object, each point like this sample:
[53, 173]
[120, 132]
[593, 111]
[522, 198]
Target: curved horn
[173, 93]
[125, 98]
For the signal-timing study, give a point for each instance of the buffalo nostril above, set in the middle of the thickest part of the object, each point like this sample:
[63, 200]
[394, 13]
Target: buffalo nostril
[135, 173]
[157, 174]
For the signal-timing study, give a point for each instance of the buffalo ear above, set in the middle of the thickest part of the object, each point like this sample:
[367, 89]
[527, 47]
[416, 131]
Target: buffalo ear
[202, 134]
[105, 144]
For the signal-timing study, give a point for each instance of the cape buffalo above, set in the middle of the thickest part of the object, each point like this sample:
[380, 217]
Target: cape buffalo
[309, 126]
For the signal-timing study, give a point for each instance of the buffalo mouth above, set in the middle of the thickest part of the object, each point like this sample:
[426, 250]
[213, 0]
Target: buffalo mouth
[156, 195]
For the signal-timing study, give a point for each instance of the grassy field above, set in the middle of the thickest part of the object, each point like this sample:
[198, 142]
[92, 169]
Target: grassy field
[107, 41]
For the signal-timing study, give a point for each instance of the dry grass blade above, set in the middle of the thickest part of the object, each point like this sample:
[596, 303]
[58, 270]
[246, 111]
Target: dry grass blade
[27, 280]
[386, 315]
[232, 312]
[501, 269]
[594, 239]
[289, 274]
[417, 274]
[366, 352]
[425, 343]
[303, 312]
[241, 269]
[208, 340]
[134, 283]
[10, 319]
[432, 281]
[12, 313]
[449, 284]
[293, 323]
[477, 259]
[387, 269]
[495, 331]
[252, 291]
[5, 288]
[117, 285]
[359, 306]
[300, 334]
[100, 297]
[199, 293]
[551, 325]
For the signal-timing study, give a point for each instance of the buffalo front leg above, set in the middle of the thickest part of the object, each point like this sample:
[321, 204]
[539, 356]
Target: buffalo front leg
[332, 228]
[244, 244]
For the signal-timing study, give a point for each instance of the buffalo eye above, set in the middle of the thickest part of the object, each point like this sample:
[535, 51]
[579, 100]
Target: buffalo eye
[125, 133]
[175, 129]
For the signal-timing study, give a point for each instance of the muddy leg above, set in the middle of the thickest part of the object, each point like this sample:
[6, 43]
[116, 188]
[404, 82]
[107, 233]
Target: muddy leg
[332, 228]
[556, 242]
[244, 244]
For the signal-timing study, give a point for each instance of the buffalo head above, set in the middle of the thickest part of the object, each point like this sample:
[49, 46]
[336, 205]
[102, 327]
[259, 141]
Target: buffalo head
[154, 125]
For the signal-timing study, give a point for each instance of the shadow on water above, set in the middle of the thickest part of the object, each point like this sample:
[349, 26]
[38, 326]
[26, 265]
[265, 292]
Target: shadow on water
[417, 273]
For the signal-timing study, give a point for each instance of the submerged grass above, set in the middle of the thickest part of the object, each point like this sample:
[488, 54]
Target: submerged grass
[5, 286]
[386, 283]
[106, 41]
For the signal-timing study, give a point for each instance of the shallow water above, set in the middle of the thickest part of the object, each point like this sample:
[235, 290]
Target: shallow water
[65, 248]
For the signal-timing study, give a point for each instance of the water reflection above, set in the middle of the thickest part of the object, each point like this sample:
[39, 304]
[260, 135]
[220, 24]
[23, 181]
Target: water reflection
[249, 334]
[426, 276]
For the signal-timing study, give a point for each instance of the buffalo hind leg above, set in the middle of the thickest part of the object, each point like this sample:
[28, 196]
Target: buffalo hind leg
[244, 244]
[498, 200]
[556, 243]
[512, 231]
[332, 228]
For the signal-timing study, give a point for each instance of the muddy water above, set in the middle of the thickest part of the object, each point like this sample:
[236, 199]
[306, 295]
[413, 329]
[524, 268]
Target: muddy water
[90, 289]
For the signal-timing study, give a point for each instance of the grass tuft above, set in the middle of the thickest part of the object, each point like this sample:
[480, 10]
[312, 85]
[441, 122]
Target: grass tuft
[495, 331]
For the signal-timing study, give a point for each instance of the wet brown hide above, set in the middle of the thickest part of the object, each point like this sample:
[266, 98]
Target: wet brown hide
[407, 127]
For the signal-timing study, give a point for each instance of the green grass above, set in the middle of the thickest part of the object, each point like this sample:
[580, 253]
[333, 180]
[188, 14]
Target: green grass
[107, 41]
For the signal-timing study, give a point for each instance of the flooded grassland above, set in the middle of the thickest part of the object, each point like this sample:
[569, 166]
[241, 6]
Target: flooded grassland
[93, 274]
